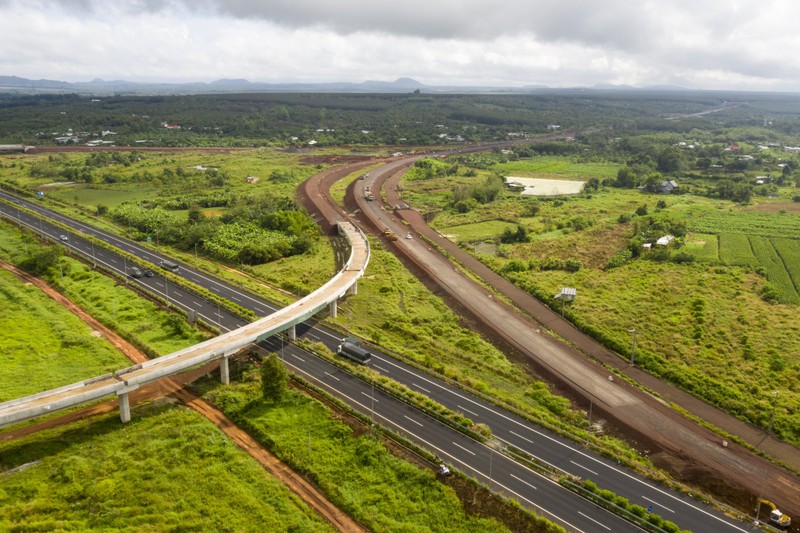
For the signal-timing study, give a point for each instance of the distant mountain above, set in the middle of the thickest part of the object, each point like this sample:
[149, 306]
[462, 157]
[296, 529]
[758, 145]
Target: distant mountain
[105, 87]
[100, 87]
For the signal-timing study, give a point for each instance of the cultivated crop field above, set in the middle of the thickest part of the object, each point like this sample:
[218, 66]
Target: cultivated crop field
[167, 469]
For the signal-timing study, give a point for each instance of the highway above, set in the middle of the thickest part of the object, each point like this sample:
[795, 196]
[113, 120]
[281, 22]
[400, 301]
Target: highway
[507, 427]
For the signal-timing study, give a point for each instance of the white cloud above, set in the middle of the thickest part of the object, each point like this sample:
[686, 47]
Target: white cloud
[701, 43]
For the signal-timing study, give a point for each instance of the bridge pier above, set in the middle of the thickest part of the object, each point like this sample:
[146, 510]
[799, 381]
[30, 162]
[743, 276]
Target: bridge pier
[224, 371]
[353, 289]
[125, 403]
[292, 333]
[332, 309]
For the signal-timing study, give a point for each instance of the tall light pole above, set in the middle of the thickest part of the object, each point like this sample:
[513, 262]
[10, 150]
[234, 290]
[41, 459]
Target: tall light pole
[195, 255]
[772, 416]
[633, 346]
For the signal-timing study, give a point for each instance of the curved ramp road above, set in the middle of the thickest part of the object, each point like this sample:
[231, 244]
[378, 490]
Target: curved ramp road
[628, 406]
[126, 380]
[483, 463]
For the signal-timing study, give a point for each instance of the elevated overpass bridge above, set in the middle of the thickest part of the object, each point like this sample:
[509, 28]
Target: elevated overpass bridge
[124, 381]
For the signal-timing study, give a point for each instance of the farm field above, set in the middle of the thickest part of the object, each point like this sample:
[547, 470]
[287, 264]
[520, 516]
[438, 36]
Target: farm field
[167, 469]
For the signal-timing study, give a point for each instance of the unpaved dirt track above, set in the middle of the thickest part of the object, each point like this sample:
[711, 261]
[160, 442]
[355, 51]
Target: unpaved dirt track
[690, 452]
[174, 386]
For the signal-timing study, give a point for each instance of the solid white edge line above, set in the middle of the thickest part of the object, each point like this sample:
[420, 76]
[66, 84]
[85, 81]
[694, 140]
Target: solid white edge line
[536, 506]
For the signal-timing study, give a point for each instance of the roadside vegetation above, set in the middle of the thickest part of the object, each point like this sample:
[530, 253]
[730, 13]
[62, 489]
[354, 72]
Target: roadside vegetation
[715, 309]
[44, 346]
[355, 471]
[167, 469]
[142, 322]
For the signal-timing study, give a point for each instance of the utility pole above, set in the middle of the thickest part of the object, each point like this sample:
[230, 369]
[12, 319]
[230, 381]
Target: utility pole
[633, 346]
[772, 416]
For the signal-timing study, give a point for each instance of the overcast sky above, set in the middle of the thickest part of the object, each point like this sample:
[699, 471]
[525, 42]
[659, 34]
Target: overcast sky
[708, 44]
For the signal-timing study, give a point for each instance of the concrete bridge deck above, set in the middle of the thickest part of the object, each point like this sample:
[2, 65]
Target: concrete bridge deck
[221, 347]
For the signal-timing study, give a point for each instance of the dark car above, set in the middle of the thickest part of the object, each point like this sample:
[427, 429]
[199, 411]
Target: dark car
[148, 273]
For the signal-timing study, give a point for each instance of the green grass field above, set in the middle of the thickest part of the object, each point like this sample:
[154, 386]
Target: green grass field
[356, 472]
[43, 345]
[491, 229]
[731, 350]
[168, 469]
[557, 167]
[108, 300]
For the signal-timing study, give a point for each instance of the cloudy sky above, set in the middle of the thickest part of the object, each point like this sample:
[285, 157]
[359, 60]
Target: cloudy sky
[709, 44]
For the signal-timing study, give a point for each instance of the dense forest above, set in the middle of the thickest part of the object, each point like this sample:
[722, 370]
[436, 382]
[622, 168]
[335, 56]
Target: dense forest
[414, 119]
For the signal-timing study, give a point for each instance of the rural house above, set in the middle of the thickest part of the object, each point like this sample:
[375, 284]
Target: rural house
[667, 186]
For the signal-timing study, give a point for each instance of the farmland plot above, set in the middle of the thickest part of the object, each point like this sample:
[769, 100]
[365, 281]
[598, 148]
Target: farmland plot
[734, 249]
[789, 251]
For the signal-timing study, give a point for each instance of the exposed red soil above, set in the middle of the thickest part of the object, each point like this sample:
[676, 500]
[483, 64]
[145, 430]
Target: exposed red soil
[174, 386]
[727, 476]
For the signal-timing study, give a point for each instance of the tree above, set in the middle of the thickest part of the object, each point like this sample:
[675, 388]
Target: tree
[274, 378]
[626, 178]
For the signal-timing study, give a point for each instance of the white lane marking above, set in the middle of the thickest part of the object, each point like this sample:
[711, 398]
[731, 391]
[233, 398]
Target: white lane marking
[466, 450]
[521, 437]
[581, 466]
[593, 520]
[214, 322]
[297, 357]
[412, 420]
[370, 397]
[334, 377]
[235, 298]
[430, 446]
[419, 387]
[656, 503]
[523, 481]
[473, 413]
[381, 369]
[198, 304]
[565, 445]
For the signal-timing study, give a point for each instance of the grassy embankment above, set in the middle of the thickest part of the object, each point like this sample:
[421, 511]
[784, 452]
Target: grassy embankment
[43, 345]
[394, 310]
[168, 469]
[703, 325]
[46, 346]
[357, 472]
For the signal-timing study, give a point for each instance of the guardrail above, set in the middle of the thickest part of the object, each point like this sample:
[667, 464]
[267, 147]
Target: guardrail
[128, 379]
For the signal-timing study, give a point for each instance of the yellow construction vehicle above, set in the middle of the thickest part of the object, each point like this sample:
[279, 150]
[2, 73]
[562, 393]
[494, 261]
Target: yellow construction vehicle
[776, 517]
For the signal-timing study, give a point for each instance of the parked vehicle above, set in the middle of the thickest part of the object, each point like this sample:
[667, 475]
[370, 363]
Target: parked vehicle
[776, 517]
[354, 352]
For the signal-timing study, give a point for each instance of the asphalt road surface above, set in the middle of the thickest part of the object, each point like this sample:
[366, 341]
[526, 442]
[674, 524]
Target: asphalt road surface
[491, 467]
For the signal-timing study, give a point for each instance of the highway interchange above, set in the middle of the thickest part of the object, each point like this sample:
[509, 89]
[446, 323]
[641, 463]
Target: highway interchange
[486, 464]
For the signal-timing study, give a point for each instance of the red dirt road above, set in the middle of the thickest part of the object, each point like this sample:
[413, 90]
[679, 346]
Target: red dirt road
[689, 451]
[174, 387]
